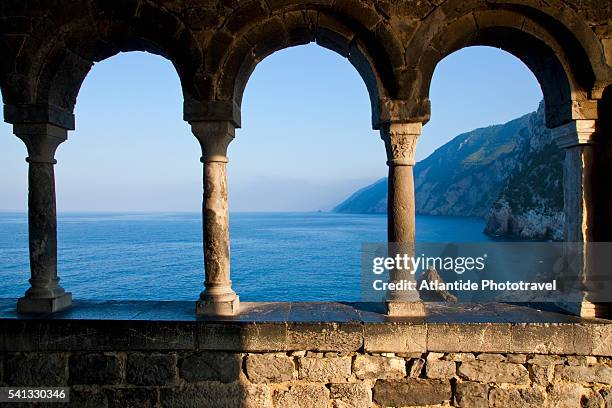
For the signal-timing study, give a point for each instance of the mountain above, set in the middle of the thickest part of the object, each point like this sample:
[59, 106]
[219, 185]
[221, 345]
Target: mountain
[509, 174]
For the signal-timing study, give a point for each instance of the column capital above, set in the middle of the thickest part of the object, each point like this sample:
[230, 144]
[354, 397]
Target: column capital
[41, 140]
[400, 142]
[214, 138]
[575, 133]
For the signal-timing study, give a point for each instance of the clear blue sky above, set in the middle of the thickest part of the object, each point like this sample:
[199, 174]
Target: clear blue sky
[305, 144]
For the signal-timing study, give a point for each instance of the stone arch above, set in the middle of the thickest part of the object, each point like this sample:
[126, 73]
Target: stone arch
[360, 35]
[54, 68]
[553, 53]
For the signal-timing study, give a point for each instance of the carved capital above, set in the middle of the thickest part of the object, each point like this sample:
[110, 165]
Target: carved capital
[400, 141]
[575, 133]
[214, 138]
[41, 140]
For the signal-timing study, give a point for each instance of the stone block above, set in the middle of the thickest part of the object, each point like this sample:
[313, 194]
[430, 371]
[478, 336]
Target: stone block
[517, 397]
[160, 335]
[332, 369]
[602, 339]
[96, 368]
[75, 335]
[325, 336]
[52, 305]
[542, 375]
[416, 367]
[395, 338]
[378, 367]
[265, 368]
[131, 397]
[472, 395]
[581, 360]
[460, 357]
[211, 366]
[36, 369]
[434, 356]
[440, 369]
[566, 395]
[88, 398]
[302, 395]
[411, 391]
[491, 357]
[491, 372]
[218, 395]
[517, 358]
[351, 395]
[151, 369]
[545, 338]
[584, 374]
[245, 337]
[546, 360]
[462, 338]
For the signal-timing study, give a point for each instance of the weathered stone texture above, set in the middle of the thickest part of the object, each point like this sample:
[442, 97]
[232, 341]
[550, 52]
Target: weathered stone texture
[132, 397]
[369, 367]
[395, 338]
[490, 372]
[325, 369]
[416, 367]
[472, 395]
[517, 398]
[412, 391]
[325, 337]
[218, 395]
[351, 395]
[440, 369]
[302, 395]
[307, 378]
[96, 368]
[262, 368]
[36, 369]
[211, 366]
[591, 374]
[151, 369]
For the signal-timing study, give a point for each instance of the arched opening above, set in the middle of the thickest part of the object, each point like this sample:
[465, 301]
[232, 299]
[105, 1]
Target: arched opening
[495, 159]
[129, 186]
[13, 212]
[305, 145]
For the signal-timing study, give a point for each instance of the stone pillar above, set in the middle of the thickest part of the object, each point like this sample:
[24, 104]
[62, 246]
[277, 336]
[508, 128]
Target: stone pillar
[581, 276]
[400, 142]
[218, 298]
[45, 295]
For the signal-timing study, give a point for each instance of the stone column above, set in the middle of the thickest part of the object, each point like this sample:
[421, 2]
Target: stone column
[400, 142]
[45, 295]
[218, 298]
[582, 279]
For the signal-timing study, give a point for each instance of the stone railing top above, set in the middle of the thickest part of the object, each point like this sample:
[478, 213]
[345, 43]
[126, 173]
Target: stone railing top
[339, 327]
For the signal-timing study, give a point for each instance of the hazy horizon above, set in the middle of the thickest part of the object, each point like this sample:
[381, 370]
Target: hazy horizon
[302, 147]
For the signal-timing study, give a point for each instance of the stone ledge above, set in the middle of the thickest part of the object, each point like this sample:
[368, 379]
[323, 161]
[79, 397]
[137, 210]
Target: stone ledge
[332, 327]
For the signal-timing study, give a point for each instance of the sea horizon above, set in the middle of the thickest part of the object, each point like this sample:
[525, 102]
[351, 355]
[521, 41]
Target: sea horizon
[299, 256]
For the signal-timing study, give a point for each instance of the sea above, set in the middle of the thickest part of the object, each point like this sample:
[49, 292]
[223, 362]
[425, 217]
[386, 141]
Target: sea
[158, 256]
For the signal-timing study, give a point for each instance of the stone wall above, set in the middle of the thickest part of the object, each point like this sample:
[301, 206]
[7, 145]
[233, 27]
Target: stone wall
[488, 359]
[316, 379]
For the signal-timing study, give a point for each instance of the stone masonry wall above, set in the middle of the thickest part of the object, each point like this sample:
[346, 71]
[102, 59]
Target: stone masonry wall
[304, 379]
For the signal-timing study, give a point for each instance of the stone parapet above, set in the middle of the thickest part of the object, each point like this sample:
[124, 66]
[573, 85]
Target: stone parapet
[274, 355]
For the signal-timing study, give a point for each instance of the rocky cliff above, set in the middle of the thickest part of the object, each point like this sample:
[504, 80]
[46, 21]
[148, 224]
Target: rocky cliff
[509, 174]
[531, 203]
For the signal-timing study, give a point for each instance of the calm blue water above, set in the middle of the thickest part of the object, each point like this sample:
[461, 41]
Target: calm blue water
[275, 256]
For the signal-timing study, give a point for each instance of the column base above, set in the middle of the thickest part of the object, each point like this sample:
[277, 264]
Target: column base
[210, 307]
[587, 309]
[406, 309]
[49, 305]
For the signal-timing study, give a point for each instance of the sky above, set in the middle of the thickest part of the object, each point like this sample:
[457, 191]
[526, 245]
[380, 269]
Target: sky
[306, 141]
